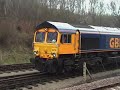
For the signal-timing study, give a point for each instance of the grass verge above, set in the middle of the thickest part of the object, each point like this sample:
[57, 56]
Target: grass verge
[15, 56]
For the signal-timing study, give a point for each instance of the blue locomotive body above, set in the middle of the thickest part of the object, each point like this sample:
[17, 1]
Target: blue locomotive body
[98, 38]
[100, 42]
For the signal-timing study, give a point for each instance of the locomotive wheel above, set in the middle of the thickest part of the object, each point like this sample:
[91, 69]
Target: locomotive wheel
[68, 66]
[51, 66]
[40, 66]
[60, 68]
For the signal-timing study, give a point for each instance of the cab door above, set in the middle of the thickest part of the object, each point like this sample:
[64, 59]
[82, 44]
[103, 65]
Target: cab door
[69, 43]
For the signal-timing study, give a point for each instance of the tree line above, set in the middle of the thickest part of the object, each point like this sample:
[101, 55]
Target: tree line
[21, 16]
[72, 11]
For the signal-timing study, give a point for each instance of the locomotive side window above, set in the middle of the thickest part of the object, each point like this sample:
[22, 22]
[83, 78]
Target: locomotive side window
[69, 38]
[66, 38]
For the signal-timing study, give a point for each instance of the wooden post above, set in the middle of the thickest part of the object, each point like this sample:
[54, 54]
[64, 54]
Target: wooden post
[85, 71]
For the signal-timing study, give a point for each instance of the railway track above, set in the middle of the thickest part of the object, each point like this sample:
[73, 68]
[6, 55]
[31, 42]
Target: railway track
[16, 67]
[24, 80]
[12, 82]
[33, 79]
[18, 81]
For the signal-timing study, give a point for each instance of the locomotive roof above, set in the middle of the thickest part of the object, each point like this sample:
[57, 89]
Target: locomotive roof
[65, 27]
[100, 30]
[61, 27]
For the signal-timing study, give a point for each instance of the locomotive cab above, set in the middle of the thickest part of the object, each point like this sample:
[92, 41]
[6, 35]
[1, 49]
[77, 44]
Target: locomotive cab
[54, 45]
[46, 43]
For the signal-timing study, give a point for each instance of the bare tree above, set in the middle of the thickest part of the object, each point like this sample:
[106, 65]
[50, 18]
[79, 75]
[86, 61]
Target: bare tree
[116, 12]
[101, 11]
[93, 8]
[72, 4]
[2, 8]
[80, 7]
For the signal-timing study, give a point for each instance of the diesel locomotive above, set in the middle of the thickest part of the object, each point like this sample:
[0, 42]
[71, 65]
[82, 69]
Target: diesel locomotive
[61, 47]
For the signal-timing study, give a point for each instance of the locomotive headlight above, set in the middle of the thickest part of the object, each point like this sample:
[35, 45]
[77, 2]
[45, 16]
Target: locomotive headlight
[54, 55]
[35, 52]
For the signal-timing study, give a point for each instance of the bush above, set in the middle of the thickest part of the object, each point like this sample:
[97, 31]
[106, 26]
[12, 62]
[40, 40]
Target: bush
[12, 34]
[15, 42]
[6, 34]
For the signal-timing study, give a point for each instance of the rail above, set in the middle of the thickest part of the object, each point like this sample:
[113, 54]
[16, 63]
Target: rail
[16, 67]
